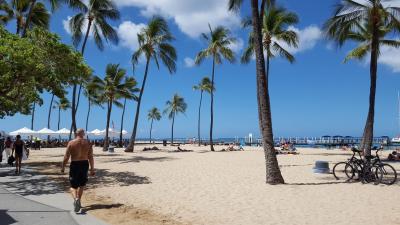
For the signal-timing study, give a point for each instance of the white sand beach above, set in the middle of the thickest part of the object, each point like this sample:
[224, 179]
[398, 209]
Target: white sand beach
[228, 188]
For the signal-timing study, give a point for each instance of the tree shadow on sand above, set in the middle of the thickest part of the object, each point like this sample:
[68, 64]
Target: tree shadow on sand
[45, 178]
[138, 159]
[100, 206]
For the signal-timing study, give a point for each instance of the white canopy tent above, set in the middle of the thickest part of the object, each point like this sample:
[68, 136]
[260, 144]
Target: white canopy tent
[96, 132]
[23, 131]
[63, 131]
[46, 131]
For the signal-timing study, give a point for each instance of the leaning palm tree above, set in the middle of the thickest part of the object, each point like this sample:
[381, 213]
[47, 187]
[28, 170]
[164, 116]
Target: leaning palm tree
[62, 105]
[174, 107]
[368, 23]
[273, 173]
[154, 44]
[18, 9]
[218, 42]
[154, 114]
[112, 88]
[203, 86]
[94, 18]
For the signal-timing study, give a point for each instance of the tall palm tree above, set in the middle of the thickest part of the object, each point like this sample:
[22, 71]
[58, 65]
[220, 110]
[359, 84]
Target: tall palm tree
[203, 86]
[18, 9]
[154, 114]
[154, 44]
[112, 88]
[273, 173]
[93, 96]
[219, 42]
[175, 106]
[134, 97]
[62, 105]
[368, 23]
[94, 17]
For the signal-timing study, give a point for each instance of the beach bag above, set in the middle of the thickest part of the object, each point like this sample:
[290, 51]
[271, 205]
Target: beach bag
[10, 160]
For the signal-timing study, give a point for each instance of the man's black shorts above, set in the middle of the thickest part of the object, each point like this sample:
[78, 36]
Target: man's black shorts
[78, 173]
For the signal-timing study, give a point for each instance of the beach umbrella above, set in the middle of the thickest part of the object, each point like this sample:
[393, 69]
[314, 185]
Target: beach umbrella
[111, 132]
[23, 131]
[46, 131]
[63, 131]
[124, 132]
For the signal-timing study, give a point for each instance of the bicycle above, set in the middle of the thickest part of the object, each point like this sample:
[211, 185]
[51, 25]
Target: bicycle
[349, 169]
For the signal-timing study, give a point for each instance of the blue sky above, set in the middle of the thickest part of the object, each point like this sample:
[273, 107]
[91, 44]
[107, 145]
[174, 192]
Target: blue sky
[316, 95]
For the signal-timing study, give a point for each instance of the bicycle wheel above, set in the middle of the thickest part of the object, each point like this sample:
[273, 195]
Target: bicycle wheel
[388, 174]
[343, 171]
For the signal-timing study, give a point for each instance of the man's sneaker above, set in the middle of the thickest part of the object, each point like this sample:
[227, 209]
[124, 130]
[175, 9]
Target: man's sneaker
[79, 204]
[76, 205]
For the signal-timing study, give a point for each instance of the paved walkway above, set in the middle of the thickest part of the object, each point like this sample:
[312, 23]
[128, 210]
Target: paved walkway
[35, 200]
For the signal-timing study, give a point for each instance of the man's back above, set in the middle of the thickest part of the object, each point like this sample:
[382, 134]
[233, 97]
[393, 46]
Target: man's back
[79, 149]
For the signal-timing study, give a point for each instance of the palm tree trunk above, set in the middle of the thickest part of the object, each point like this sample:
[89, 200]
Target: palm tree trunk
[198, 121]
[28, 18]
[59, 114]
[73, 122]
[109, 108]
[273, 173]
[33, 114]
[122, 124]
[172, 130]
[212, 106]
[131, 145]
[49, 116]
[368, 134]
[75, 103]
[151, 128]
[87, 117]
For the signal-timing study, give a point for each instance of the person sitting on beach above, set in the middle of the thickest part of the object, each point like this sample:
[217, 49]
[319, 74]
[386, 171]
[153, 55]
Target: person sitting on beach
[81, 153]
[394, 156]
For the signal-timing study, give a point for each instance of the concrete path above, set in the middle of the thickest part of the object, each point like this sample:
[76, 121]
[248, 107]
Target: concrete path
[35, 200]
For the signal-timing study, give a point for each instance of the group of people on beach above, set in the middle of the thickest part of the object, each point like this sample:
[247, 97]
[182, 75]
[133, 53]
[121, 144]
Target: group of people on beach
[14, 151]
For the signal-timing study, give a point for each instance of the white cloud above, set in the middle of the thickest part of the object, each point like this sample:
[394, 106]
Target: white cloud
[237, 46]
[390, 57]
[85, 25]
[190, 16]
[308, 38]
[189, 62]
[127, 33]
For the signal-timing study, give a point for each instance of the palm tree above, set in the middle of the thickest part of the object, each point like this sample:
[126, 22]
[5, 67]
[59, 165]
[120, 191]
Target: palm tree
[219, 42]
[62, 105]
[18, 10]
[94, 15]
[134, 97]
[368, 23]
[93, 96]
[154, 44]
[204, 85]
[174, 107]
[154, 114]
[112, 88]
[275, 32]
[273, 173]
[31, 9]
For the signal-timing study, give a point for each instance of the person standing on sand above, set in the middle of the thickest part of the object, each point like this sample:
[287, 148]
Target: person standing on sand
[81, 153]
[18, 147]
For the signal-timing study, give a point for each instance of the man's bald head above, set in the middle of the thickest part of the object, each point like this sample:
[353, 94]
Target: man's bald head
[80, 133]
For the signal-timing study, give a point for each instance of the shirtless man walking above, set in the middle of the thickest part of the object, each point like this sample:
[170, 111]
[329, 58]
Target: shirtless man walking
[81, 153]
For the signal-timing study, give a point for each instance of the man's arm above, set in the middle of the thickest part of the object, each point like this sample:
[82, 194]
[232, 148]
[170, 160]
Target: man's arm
[66, 158]
[91, 160]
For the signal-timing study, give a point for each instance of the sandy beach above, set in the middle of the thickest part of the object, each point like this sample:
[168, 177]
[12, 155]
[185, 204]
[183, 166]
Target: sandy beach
[221, 188]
